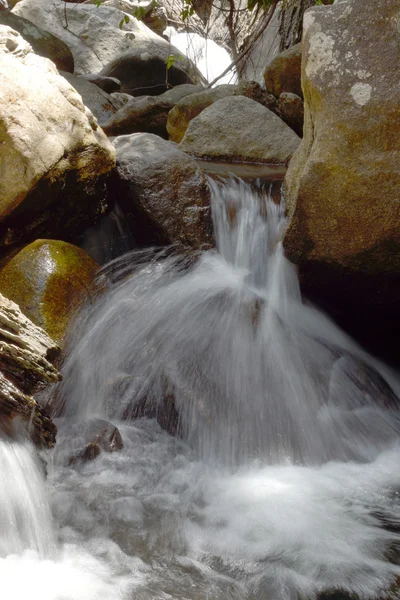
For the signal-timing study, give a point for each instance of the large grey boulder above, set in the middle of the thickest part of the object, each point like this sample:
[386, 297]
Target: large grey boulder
[27, 355]
[240, 129]
[147, 113]
[100, 37]
[42, 42]
[54, 158]
[343, 184]
[163, 192]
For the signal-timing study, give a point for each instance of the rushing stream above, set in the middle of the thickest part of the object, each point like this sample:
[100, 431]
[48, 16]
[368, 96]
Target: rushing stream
[282, 482]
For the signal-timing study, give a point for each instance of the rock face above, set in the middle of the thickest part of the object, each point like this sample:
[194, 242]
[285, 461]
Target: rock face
[48, 280]
[147, 113]
[26, 357]
[163, 193]
[343, 184]
[98, 42]
[283, 74]
[43, 43]
[240, 129]
[54, 159]
[291, 110]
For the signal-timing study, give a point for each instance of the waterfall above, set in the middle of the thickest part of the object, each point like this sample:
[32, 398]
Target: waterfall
[281, 481]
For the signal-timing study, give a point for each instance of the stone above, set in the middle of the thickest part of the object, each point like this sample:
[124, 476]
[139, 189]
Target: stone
[162, 192]
[27, 355]
[239, 129]
[54, 158]
[291, 110]
[42, 42]
[342, 188]
[96, 436]
[119, 99]
[189, 107]
[98, 43]
[97, 100]
[147, 113]
[283, 74]
[49, 280]
[107, 84]
[254, 91]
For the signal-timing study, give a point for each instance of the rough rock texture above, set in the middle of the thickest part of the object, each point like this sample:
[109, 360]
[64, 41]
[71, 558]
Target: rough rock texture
[43, 43]
[49, 279]
[26, 357]
[148, 113]
[283, 74]
[97, 100]
[96, 40]
[343, 184]
[291, 110]
[240, 129]
[189, 107]
[54, 159]
[163, 193]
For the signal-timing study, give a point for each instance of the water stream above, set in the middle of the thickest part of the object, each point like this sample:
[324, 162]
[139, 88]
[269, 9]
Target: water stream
[282, 480]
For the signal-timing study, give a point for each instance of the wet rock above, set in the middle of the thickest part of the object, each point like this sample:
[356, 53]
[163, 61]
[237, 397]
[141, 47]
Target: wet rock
[26, 366]
[189, 107]
[96, 436]
[49, 279]
[239, 129]
[42, 42]
[291, 110]
[342, 186]
[54, 158]
[162, 192]
[107, 84]
[147, 113]
[283, 74]
[99, 102]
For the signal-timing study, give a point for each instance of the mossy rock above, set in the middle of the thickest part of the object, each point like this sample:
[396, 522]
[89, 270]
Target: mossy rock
[49, 279]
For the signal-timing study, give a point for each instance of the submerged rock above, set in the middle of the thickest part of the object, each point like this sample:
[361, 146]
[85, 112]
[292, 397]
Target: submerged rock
[49, 279]
[54, 158]
[26, 357]
[163, 192]
[239, 129]
[342, 186]
[96, 436]
[283, 74]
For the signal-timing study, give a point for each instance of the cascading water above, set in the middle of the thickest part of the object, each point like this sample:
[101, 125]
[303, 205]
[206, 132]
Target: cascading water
[283, 480]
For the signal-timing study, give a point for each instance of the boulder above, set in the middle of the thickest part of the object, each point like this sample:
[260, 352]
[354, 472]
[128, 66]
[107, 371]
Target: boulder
[342, 188]
[97, 100]
[163, 193]
[54, 159]
[43, 43]
[101, 36]
[239, 129]
[291, 110]
[283, 74]
[90, 438]
[147, 113]
[49, 279]
[189, 107]
[26, 366]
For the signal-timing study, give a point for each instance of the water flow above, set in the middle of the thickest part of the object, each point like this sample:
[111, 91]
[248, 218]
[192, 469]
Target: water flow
[283, 482]
[226, 346]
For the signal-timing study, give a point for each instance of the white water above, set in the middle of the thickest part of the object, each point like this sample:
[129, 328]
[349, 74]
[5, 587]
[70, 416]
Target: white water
[286, 483]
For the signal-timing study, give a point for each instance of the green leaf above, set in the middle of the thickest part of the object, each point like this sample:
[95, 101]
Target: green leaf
[98, 3]
[170, 61]
[126, 19]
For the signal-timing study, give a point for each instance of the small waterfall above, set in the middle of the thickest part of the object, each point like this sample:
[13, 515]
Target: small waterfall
[25, 517]
[251, 370]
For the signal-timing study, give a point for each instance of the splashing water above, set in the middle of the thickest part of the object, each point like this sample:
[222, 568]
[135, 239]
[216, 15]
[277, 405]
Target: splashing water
[283, 482]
